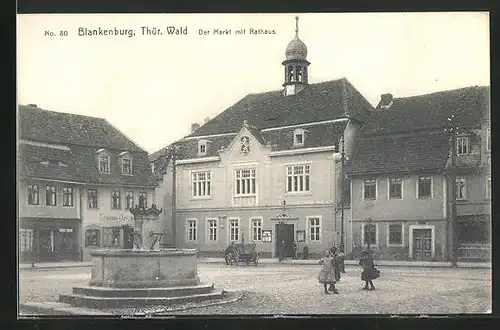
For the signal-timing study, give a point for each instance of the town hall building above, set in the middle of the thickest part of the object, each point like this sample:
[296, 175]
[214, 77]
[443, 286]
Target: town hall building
[265, 170]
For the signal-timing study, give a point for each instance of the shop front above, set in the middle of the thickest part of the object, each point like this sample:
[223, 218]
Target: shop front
[49, 240]
[474, 236]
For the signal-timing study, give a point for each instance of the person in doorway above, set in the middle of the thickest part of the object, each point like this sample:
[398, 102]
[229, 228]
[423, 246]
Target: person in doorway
[295, 248]
[283, 251]
[369, 271]
[326, 275]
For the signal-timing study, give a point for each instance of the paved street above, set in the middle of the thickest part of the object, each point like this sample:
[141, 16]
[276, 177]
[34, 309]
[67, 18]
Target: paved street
[294, 289]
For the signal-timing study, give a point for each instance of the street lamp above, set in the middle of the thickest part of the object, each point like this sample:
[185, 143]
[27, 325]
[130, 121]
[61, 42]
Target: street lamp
[341, 157]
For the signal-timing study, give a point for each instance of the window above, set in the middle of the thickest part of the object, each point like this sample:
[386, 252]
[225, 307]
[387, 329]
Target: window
[92, 198]
[370, 189]
[143, 199]
[461, 188]
[424, 186]
[92, 238]
[488, 188]
[234, 230]
[115, 199]
[203, 149]
[395, 235]
[192, 230]
[67, 196]
[129, 200]
[26, 239]
[256, 229]
[463, 145]
[395, 188]
[212, 230]
[297, 178]
[370, 234]
[50, 196]
[33, 194]
[488, 139]
[298, 137]
[103, 163]
[127, 166]
[245, 181]
[314, 225]
[201, 184]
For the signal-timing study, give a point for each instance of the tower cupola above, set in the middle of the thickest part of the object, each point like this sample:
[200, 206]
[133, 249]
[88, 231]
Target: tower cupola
[296, 64]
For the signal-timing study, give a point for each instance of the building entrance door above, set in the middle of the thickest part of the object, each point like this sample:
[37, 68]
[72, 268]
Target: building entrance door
[284, 240]
[128, 235]
[46, 245]
[422, 244]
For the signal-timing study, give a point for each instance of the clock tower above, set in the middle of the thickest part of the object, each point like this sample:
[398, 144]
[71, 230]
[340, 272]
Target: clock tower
[296, 64]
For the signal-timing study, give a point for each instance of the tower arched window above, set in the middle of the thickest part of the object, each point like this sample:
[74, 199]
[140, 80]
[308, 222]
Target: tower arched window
[290, 74]
[299, 73]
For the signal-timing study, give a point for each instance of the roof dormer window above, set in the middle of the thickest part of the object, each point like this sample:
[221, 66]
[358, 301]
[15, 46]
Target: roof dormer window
[299, 136]
[463, 145]
[202, 147]
[103, 162]
[126, 162]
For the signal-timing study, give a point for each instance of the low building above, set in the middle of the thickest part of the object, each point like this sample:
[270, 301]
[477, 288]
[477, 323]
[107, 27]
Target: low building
[400, 177]
[78, 176]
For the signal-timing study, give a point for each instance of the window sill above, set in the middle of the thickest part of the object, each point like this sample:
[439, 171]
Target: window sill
[68, 206]
[394, 245]
[92, 208]
[104, 172]
[128, 174]
[200, 198]
[396, 198]
[33, 204]
[369, 199]
[298, 193]
[424, 197]
[243, 196]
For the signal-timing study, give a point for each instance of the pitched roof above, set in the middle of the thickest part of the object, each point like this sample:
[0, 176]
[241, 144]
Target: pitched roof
[378, 154]
[409, 136]
[49, 126]
[469, 105]
[316, 102]
[79, 164]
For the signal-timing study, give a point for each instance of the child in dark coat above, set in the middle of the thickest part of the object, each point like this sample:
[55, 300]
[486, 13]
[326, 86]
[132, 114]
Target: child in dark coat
[369, 271]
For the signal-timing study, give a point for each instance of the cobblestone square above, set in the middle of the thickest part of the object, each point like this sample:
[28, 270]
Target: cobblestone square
[294, 289]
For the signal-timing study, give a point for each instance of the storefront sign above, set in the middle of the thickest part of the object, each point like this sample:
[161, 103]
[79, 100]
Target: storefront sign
[301, 235]
[267, 236]
[114, 218]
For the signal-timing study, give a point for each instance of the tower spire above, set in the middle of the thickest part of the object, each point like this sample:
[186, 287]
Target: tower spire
[297, 27]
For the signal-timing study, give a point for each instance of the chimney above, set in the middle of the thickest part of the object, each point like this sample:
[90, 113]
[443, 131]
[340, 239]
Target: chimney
[31, 105]
[194, 127]
[207, 119]
[385, 101]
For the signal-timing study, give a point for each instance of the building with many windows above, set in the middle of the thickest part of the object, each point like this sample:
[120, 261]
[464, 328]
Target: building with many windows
[267, 170]
[400, 176]
[78, 176]
[263, 170]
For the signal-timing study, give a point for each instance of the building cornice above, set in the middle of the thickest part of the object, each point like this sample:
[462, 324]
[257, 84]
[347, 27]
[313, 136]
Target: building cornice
[301, 151]
[89, 183]
[198, 160]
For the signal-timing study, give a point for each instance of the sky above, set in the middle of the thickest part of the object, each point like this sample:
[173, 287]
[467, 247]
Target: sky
[152, 87]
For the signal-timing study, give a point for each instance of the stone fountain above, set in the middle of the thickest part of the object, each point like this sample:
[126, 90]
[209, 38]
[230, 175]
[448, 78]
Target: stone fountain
[144, 275]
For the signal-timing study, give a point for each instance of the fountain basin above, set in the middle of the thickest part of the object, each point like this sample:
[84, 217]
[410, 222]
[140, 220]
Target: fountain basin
[144, 269]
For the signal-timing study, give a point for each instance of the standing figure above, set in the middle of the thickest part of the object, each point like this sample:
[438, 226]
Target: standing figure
[327, 273]
[295, 248]
[369, 271]
[282, 252]
[341, 257]
[336, 265]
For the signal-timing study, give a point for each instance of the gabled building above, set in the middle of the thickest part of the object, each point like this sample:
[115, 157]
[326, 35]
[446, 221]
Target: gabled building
[400, 176]
[78, 176]
[263, 170]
